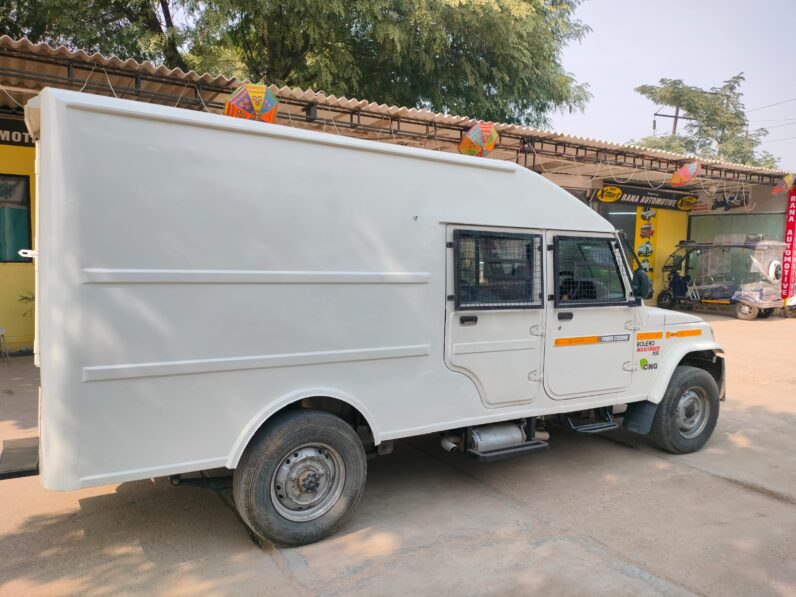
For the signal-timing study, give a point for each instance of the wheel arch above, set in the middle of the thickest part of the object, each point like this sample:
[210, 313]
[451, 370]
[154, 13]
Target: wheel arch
[333, 401]
[704, 355]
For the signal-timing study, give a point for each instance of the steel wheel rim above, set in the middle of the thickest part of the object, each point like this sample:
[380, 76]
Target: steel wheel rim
[745, 309]
[693, 412]
[308, 482]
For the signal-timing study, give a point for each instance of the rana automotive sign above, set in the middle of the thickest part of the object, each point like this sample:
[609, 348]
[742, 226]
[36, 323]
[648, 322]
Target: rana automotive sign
[790, 246]
[646, 197]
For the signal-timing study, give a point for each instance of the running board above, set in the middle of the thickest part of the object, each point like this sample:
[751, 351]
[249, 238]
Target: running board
[533, 445]
[19, 458]
[603, 420]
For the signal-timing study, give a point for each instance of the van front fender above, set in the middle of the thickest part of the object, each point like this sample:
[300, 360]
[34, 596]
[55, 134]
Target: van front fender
[673, 358]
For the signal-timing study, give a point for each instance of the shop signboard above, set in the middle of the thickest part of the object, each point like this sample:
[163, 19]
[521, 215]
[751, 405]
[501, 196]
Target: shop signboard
[646, 197]
[788, 278]
[14, 132]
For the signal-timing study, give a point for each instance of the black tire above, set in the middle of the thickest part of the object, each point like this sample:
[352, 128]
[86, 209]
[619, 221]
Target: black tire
[765, 313]
[666, 429]
[268, 456]
[746, 311]
[789, 312]
[665, 300]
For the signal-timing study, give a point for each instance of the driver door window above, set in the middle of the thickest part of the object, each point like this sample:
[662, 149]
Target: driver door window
[588, 272]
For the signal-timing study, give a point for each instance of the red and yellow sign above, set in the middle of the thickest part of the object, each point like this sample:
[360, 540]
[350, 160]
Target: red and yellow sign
[790, 246]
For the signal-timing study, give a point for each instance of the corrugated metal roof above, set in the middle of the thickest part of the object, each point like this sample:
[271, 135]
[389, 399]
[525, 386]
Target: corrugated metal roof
[322, 99]
[31, 66]
[27, 65]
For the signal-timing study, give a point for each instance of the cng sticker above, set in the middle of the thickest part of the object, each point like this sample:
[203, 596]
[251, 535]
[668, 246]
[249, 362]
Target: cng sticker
[647, 366]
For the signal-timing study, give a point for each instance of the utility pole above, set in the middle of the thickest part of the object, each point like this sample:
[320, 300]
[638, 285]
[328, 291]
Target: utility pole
[676, 116]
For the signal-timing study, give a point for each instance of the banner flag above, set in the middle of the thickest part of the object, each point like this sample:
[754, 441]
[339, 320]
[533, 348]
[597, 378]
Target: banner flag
[788, 277]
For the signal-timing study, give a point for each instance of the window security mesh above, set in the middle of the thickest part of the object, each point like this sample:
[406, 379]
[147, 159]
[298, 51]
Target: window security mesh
[497, 270]
[587, 272]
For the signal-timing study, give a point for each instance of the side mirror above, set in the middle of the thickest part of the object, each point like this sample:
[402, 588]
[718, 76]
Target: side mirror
[642, 286]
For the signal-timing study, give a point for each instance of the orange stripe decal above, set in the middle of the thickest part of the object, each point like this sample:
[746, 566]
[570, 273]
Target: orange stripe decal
[649, 335]
[579, 341]
[684, 333]
[583, 340]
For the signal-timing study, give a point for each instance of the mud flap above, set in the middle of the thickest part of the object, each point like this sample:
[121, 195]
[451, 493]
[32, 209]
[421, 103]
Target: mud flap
[639, 417]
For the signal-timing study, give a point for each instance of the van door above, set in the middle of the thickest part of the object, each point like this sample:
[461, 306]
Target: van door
[495, 316]
[590, 339]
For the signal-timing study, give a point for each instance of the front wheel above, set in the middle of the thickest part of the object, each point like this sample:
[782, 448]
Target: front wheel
[746, 311]
[687, 415]
[299, 477]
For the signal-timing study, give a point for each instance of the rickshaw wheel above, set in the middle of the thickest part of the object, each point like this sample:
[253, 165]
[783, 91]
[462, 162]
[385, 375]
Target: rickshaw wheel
[665, 300]
[766, 313]
[746, 311]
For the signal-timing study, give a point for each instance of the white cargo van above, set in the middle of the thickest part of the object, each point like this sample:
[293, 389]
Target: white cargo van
[214, 292]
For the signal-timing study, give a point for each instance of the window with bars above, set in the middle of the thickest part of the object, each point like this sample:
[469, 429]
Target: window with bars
[496, 270]
[588, 271]
[14, 217]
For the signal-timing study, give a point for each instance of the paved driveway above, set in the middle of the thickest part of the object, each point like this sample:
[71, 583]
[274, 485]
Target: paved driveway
[597, 515]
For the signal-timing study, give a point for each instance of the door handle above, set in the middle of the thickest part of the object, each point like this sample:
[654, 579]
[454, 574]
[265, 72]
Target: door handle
[565, 315]
[468, 319]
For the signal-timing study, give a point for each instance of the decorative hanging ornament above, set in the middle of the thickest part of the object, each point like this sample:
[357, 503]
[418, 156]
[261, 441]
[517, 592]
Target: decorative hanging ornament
[252, 102]
[685, 174]
[784, 186]
[479, 140]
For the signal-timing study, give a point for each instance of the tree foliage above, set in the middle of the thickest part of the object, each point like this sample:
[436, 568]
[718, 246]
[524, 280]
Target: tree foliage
[494, 59]
[717, 126]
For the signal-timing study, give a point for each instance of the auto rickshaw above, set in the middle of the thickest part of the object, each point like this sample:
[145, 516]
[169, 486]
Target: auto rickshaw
[739, 271]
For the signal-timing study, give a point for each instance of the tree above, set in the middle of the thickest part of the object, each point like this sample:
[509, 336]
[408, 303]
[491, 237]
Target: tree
[493, 59]
[715, 122]
[138, 29]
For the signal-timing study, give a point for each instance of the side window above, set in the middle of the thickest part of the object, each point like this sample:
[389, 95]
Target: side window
[496, 270]
[14, 217]
[588, 271]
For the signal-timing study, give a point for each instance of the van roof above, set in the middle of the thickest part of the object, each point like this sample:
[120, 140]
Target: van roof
[552, 207]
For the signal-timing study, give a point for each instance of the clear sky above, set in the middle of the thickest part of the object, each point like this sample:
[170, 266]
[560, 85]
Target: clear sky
[703, 42]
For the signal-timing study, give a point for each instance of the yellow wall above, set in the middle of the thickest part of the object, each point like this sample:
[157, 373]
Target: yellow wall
[672, 228]
[17, 278]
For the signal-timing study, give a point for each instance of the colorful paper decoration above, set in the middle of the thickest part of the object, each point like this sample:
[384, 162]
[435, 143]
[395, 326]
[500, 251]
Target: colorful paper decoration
[479, 140]
[784, 186]
[685, 174]
[252, 102]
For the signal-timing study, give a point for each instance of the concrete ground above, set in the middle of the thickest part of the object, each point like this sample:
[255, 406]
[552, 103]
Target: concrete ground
[594, 515]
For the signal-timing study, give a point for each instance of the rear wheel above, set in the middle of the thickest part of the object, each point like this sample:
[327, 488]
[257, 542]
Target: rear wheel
[299, 477]
[687, 415]
[746, 311]
[765, 313]
[665, 300]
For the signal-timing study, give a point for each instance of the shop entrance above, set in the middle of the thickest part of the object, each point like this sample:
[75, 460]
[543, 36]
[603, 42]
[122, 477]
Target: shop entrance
[653, 221]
